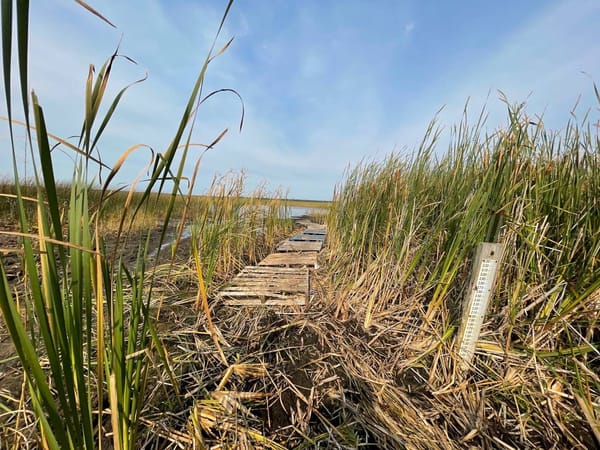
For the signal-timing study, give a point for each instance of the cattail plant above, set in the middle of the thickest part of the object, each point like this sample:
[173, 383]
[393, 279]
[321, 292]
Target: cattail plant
[81, 323]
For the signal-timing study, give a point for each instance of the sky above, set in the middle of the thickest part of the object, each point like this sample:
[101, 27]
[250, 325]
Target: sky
[325, 84]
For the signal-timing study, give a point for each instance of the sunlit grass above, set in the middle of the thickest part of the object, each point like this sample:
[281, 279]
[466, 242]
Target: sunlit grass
[403, 233]
[232, 230]
[80, 321]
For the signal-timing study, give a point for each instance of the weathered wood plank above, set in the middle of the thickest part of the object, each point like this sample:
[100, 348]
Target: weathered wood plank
[299, 246]
[295, 301]
[254, 276]
[264, 285]
[273, 270]
[259, 282]
[281, 294]
[267, 273]
[281, 283]
[308, 238]
[290, 259]
[316, 231]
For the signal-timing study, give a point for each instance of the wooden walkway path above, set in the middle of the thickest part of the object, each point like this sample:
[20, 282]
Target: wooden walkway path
[283, 277]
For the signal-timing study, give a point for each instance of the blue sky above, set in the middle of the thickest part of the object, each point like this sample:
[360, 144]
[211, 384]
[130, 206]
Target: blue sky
[325, 83]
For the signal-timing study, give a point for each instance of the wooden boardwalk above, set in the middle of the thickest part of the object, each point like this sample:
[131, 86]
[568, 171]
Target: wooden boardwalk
[291, 259]
[261, 285]
[300, 246]
[283, 277]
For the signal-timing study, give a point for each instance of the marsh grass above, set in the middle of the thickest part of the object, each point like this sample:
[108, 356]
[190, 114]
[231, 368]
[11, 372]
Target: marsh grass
[232, 230]
[110, 211]
[81, 320]
[403, 234]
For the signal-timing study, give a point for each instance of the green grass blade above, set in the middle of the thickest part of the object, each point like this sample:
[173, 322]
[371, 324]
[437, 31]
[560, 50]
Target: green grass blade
[23, 43]
[7, 18]
[47, 169]
[29, 358]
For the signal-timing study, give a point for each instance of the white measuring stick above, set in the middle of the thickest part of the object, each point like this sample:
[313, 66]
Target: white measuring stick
[485, 269]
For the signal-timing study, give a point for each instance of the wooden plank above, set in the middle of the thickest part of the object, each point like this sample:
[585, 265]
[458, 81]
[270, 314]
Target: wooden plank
[296, 301]
[291, 259]
[267, 279]
[252, 299]
[270, 270]
[298, 246]
[316, 231]
[310, 224]
[270, 276]
[276, 292]
[265, 285]
[308, 238]
[265, 271]
[280, 282]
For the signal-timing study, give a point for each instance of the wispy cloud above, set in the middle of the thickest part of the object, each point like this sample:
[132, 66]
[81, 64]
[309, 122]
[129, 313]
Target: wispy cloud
[540, 62]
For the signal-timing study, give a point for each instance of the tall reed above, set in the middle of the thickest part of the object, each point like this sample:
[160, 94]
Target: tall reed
[232, 230]
[80, 323]
[403, 233]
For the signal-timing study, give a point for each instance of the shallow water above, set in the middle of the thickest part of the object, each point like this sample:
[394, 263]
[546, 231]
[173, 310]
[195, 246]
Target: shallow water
[294, 212]
[170, 239]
